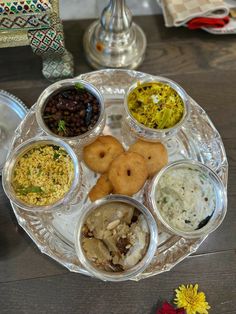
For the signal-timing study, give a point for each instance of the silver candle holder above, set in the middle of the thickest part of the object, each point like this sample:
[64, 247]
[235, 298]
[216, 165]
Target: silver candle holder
[115, 41]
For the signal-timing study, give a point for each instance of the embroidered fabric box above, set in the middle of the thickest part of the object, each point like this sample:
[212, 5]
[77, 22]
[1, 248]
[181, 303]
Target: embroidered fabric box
[25, 14]
[37, 23]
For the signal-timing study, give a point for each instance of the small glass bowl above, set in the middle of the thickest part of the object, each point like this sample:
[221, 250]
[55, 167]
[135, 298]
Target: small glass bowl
[21, 150]
[131, 126]
[220, 199]
[138, 268]
[85, 138]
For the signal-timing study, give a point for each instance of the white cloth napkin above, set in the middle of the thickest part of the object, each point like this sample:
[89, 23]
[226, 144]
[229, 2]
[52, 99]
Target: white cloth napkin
[179, 12]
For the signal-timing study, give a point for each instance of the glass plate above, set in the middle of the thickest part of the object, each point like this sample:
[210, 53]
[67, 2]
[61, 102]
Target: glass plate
[198, 139]
[12, 110]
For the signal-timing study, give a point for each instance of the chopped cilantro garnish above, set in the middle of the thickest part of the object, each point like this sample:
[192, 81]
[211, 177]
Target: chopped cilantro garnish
[62, 126]
[79, 86]
[56, 156]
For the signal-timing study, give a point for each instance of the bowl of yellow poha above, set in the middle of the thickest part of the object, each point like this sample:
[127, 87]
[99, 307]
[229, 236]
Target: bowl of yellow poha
[42, 174]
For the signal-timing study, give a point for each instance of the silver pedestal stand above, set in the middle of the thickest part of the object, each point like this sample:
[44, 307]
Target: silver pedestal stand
[115, 41]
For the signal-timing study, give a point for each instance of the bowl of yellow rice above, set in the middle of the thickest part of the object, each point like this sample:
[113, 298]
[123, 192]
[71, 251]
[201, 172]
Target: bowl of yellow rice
[155, 108]
[42, 174]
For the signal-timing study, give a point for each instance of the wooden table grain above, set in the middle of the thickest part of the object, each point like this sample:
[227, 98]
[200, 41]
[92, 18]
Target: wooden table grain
[30, 282]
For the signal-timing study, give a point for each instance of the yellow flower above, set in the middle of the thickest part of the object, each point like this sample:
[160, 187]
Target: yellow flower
[191, 300]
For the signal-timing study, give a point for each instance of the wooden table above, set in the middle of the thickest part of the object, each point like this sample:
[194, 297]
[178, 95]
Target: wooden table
[205, 65]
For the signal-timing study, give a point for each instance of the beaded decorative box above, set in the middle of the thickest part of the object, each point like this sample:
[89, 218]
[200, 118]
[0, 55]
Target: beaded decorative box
[36, 23]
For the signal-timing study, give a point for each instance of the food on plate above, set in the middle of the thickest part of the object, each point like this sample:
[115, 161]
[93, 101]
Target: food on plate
[124, 172]
[115, 237]
[128, 173]
[102, 188]
[155, 105]
[72, 111]
[185, 198]
[155, 155]
[99, 155]
[43, 175]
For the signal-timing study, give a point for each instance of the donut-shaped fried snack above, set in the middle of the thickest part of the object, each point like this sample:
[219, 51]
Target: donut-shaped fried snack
[99, 155]
[155, 155]
[128, 173]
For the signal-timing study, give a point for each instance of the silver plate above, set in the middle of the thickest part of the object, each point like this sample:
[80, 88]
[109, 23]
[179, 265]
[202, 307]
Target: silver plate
[198, 139]
[12, 112]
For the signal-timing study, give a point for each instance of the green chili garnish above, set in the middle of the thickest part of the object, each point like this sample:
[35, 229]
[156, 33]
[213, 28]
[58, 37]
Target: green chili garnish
[30, 189]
